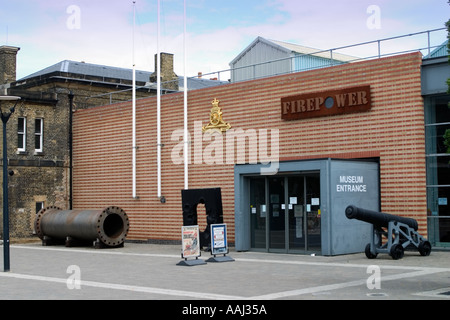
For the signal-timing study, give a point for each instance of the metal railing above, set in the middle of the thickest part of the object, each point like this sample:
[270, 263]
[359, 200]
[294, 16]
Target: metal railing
[425, 42]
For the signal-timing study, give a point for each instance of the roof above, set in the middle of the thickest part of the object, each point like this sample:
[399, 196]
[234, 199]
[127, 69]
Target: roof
[290, 48]
[315, 52]
[96, 70]
[102, 71]
[439, 51]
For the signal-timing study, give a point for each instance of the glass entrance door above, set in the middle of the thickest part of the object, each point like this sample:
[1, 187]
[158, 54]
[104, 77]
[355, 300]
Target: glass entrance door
[258, 213]
[297, 211]
[313, 214]
[277, 213]
[285, 213]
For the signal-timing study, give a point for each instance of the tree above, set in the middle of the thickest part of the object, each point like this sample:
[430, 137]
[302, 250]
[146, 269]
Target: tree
[447, 140]
[447, 24]
[447, 132]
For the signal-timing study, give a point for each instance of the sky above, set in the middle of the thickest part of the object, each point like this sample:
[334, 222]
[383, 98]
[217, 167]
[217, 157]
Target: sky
[101, 31]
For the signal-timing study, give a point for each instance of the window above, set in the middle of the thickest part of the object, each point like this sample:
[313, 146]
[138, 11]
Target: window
[21, 134]
[437, 126]
[39, 206]
[38, 134]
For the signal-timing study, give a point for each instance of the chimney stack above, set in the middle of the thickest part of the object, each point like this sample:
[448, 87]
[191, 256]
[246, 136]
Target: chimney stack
[169, 79]
[8, 64]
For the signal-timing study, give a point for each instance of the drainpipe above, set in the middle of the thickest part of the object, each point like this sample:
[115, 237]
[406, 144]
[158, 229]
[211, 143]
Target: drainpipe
[158, 72]
[134, 195]
[186, 133]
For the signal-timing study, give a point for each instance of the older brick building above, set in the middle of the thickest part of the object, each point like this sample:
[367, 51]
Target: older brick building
[39, 130]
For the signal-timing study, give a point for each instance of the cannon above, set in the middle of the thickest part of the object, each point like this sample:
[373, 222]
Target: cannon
[104, 228]
[391, 234]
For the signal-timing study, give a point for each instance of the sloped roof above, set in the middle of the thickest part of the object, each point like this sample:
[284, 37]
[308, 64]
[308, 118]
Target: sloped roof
[92, 70]
[290, 48]
[315, 52]
[439, 51]
[95, 70]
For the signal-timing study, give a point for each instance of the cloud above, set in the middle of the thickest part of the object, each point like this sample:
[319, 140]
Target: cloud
[97, 32]
[214, 38]
[320, 24]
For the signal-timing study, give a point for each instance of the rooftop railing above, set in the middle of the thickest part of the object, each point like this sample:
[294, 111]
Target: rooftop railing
[425, 42]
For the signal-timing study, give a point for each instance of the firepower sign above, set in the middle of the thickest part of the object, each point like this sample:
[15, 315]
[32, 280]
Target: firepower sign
[310, 105]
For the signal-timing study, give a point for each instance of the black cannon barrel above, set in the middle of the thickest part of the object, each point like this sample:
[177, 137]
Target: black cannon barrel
[379, 219]
[109, 225]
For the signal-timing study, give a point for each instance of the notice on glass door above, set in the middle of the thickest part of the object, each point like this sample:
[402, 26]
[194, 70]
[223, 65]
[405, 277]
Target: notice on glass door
[275, 210]
[299, 227]
[298, 211]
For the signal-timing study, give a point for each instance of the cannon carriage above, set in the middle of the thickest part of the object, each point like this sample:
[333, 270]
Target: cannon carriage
[391, 234]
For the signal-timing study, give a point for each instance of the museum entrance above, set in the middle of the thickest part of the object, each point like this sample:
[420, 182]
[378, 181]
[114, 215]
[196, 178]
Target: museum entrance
[285, 213]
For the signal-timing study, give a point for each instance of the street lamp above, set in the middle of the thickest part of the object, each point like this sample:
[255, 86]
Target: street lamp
[5, 117]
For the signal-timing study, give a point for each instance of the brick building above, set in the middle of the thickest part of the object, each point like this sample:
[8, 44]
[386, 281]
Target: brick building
[291, 210]
[386, 156]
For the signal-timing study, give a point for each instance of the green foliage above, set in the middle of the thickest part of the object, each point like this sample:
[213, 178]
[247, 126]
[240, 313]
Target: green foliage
[447, 24]
[447, 132]
[447, 140]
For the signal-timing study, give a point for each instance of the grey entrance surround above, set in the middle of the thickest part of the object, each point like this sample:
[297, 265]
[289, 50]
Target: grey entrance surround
[342, 183]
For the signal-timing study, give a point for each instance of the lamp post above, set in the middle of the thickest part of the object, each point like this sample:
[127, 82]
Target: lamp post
[5, 117]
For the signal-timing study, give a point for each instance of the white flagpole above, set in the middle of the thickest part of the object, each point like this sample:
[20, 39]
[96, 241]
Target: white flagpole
[158, 73]
[134, 107]
[186, 142]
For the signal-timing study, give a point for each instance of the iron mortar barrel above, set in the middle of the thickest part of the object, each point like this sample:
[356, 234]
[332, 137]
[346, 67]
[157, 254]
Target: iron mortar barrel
[109, 225]
[378, 219]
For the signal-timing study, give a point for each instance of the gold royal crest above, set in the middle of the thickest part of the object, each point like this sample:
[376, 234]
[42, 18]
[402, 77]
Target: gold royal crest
[216, 122]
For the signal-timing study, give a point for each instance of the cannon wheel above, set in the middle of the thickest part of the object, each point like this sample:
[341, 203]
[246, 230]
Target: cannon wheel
[397, 251]
[368, 253]
[424, 248]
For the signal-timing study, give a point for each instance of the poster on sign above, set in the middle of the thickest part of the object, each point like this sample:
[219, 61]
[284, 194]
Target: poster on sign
[219, 239]
[190, 242]
[219, 245]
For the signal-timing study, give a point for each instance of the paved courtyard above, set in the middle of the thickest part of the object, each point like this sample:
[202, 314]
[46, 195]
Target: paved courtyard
[150, 272]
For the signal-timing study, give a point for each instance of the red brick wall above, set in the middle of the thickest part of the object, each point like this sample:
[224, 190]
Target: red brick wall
[392, 130]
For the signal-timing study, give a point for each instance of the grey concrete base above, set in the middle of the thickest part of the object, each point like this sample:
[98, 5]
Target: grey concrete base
[220, 259]
[190, 263]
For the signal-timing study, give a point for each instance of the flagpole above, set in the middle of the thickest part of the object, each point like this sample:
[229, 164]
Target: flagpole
[158, 81]
[186, 142]
[134, 107]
